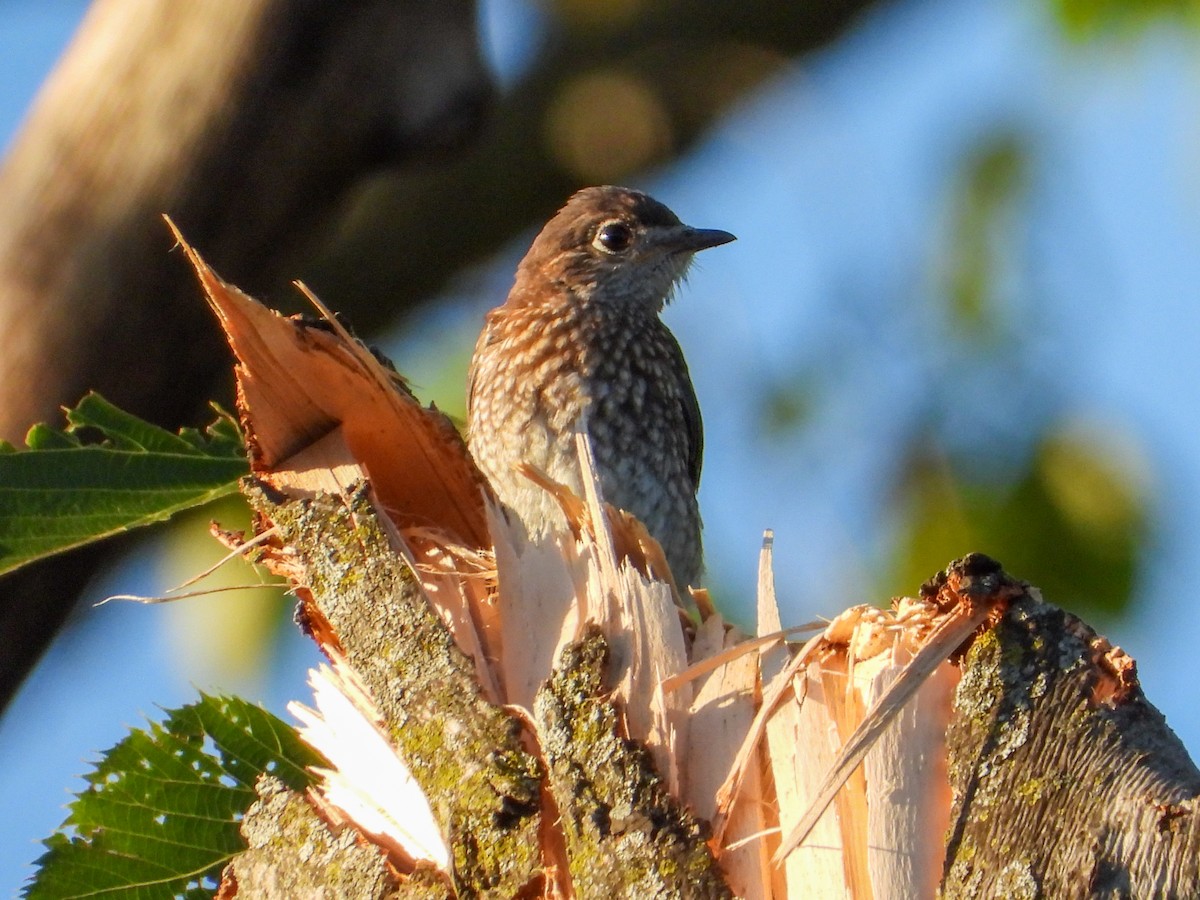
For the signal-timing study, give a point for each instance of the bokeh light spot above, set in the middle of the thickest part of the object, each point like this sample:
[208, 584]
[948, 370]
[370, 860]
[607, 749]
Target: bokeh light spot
[1097, 478]
[605, 124]
[598, 13]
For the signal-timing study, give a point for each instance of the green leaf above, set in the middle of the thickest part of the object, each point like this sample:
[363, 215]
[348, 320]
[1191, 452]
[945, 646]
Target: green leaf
[161, 812]
[64, 492]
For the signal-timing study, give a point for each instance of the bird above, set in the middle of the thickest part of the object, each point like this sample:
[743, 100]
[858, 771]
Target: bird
[579, 345]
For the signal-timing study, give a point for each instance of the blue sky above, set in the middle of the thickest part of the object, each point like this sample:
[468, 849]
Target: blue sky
[831, 176]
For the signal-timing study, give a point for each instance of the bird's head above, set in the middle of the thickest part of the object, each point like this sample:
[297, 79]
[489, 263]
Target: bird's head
[612, 245]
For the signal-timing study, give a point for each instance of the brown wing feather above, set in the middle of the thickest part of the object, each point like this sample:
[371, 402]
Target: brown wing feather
[485, 337]
[695, 432]
[690, 406]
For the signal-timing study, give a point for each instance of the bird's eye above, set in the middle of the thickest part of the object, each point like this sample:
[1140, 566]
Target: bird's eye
[613, 237]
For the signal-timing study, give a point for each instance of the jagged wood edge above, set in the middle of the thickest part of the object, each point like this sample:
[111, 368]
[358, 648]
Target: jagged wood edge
[625, 836]
[1066, 781]
[482, 785]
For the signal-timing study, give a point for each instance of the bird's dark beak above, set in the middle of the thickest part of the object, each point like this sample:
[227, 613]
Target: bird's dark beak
[685, 239]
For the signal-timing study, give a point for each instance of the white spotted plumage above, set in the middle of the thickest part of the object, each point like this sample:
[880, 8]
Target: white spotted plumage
[580, 340]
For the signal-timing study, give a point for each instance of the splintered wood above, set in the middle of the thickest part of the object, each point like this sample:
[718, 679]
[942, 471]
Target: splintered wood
[608, 738]
[367, 781]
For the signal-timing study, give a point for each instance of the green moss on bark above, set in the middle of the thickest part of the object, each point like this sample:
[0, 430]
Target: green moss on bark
[625, 836]
[1060, 771]
[464, 752]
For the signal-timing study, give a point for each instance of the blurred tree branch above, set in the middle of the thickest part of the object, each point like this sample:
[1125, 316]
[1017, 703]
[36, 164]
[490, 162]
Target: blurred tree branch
[249, 122]
[688, 61]
[246, 122]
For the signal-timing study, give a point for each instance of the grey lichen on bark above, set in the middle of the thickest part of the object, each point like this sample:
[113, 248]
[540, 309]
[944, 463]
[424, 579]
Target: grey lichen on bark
[293, 853]
[625, 836]
[1066, 782]
[465, 752]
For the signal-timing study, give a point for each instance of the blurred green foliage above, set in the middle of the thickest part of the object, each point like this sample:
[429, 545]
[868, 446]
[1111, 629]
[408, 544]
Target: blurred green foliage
[984, 210]
[1072, 522]
[786, 407]
[1083, 19]
[997, 464]
[241, 618]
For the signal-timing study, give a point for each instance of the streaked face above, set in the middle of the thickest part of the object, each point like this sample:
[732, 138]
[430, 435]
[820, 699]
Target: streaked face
[614, 245]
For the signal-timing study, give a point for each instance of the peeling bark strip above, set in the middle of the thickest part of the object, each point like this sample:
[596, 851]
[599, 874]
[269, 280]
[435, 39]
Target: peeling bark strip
[1066, 781]
[465, 753]
[625, 836]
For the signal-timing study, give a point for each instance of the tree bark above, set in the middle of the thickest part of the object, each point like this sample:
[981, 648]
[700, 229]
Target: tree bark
[464, 752]
[292, 852]
[624, 835]
[972, 741]
[1067, 782]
